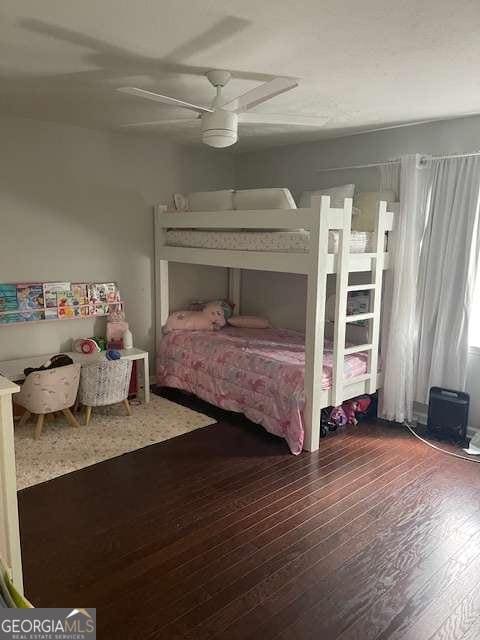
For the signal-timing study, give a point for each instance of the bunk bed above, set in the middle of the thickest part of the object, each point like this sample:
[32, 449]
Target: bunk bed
[317, 241]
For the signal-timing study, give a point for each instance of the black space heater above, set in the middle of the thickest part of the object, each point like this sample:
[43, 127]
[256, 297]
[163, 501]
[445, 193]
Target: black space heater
[448, 414]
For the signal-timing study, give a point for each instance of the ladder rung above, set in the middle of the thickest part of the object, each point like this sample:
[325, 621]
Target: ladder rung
[361, 287]
[358, 348]
[363, 378]
[359, 316]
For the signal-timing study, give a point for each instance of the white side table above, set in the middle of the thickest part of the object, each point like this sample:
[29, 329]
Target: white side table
[13, 369]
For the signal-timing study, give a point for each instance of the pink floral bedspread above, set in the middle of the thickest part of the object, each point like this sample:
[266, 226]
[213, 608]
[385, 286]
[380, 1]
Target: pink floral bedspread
[257, 372]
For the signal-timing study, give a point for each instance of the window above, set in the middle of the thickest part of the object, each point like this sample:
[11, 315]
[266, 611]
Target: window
[474, 338]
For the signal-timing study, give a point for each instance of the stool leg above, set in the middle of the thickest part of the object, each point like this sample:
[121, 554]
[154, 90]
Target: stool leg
[24, 418]
[88, 413]
[39, 426]
[126, 404]
[70, 417]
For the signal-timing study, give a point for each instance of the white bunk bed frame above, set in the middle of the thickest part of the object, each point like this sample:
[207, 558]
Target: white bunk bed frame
[317, 264]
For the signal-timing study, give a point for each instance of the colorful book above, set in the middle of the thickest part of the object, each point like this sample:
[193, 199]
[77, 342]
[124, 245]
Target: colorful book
[103, 292]
[27, 302]
[22, 316]
[8, 297]
[50, 291]
[80, 294]
[30, 297]
[67, 305]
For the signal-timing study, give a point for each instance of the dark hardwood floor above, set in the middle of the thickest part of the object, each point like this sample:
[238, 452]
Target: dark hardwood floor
[222, 533]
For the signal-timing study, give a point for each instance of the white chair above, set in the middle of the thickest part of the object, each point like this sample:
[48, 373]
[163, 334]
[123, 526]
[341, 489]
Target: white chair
[45, 392]
[103, 383]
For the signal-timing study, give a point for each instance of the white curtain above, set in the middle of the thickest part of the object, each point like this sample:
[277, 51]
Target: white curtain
[399, 323]
[448, 265]
[390, 178]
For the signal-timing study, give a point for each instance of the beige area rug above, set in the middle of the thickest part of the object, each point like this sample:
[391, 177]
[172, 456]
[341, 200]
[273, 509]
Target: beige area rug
[62, 448]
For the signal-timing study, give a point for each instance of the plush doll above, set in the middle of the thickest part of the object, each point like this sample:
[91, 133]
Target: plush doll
[227, 306]
[364, 403]
[337, 418]
[350, 407]
[210, 318]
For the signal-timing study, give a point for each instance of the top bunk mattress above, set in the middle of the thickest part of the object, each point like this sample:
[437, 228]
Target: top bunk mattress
[275, 241]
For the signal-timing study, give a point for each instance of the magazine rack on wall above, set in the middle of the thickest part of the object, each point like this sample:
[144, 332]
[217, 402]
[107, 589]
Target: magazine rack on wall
[44, 301]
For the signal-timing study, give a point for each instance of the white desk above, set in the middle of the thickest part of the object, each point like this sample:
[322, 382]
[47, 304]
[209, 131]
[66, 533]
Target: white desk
[13, 369]
[9, 527]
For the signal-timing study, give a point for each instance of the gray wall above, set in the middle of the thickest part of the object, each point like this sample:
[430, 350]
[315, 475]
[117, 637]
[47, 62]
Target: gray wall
[76, 205]
[297, 167]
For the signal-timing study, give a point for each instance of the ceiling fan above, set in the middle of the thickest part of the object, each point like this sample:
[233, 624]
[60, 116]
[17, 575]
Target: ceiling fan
[220, 120]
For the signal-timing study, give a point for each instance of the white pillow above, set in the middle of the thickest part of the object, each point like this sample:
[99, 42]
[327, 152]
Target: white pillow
[337, 195]
[210, 200]
[248, 199]
[367, 202]
[180, 202]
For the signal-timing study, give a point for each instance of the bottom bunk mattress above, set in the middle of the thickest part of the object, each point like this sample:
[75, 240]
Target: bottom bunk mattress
[257, 372]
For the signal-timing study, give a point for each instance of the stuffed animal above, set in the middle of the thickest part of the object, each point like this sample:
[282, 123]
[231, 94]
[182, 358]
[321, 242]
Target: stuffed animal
[364, 403]
[337, 418]
[227, 306]
[210, 318]
[350, 407]
[346, 413]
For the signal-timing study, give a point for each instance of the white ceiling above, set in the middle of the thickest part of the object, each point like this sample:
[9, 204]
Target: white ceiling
[364, 64]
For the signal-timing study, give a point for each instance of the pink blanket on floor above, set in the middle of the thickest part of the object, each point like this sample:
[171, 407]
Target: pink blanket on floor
[257, 372]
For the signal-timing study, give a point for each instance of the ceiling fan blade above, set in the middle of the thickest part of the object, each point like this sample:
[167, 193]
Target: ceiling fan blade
[157, 97]
[156, 123]
[270, 118]
[260, 94]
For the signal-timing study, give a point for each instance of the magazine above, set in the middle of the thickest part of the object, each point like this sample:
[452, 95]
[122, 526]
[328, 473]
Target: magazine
[103, 292]
[80, 294]
[29, 297]
[67, 305]
[22, 316]
[8, 297]
[50, 290]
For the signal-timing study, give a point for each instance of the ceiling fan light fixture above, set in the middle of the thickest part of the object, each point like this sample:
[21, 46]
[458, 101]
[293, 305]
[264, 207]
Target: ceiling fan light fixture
[219, 138]
[220, 128]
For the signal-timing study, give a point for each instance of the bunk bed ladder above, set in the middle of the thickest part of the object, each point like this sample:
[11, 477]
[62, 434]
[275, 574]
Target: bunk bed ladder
[374, 314]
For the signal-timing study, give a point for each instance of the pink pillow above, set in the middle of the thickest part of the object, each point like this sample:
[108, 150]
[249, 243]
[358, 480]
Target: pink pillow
[249, 322]
[210, 319]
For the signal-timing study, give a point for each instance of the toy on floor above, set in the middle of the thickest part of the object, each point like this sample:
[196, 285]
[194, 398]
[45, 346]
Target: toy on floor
[348, 411]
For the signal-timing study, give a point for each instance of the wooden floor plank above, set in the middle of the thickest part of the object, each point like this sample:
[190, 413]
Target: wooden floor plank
[222, 533]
